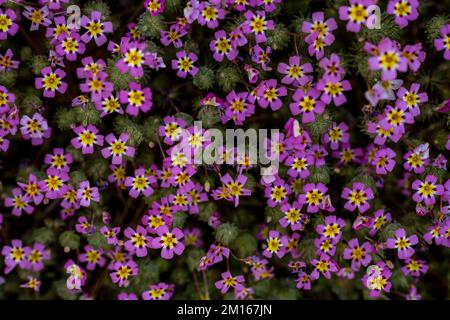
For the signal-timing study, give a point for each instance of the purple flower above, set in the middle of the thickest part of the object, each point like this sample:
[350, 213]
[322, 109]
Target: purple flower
[138, 241]
[51, 81]
[32, 190]
[169, 241]
[95, 28]
[359, 254]
[184, 64]
[86, 194]
[333, 90]
[117, 148]
[37, 16]
[295, 73]
[332, 67]
[210, 14]
[314, 196]
[59, 159]
[7, 25]
[222, 47]
[307, 104]
[122, 271]
[53, 185]
[93, 257]
[440, 44]
[388, 59]
[238, 108]
[173, 36]
[228, 281]
[137, 98]
[14, 255]
[427, 190]
[410, 99]
[86, 138]
[332, 228]
[140, 183]
[160, 291]
[376, 279]
[275, 244]
[7, 63]
[414, 55]
[414, 267]
[257, 24]
[402, 243]
[19, 202]
[323, 266]
[357, 197]
[337, 135]
[403, 10]
[356, 14]
[35, 128]
[70, 45]
[384, 161]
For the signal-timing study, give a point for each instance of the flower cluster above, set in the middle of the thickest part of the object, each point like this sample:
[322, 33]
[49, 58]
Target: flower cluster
[102, 190]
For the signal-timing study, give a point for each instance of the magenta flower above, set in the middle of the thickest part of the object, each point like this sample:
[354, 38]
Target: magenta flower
[86, 138]
[37, 16]
[427, 190]
[337, 135]
[275, 244]
[402, 243]
[169, 241]
[210, 14]
[332, 67]
[376, 279]
[257, 24]
[184, 64]
[222, 47]
[414, 267]
[140, 183]
[14, 255]
[86, 194]
[173, 36]
[6, 99]
[359, 254]
[357, 197]
[269, 94]
[122, 271]
[35, 128]
[238, 108]
[314, 196]
[138, 241]
[7, 63]
[403, 10]
[356, 14]
[333, 90]
[384, 161]
[51, 81]
[137, 98]
[332, 228]
[228, 281]
[59, 159]
[32, 190]
[19, 203]
[234, 188]
[53, 185]
[117, 148]
[295, 73]
[7, 25]
[95, 28]
[414, 55]
[160, 291]
[410, 99]
[92, 257]
[155, 7]
[440, 44]
[307, 104]
[323, 266]
[70, 45]
[388, 59]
